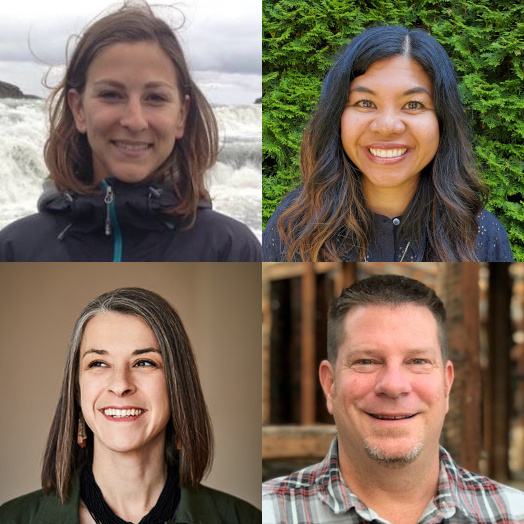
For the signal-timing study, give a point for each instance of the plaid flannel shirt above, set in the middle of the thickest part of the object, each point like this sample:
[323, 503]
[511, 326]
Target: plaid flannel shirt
[319, 495]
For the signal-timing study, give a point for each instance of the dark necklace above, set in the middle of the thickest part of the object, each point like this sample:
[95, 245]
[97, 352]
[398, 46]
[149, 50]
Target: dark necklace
[164, 509]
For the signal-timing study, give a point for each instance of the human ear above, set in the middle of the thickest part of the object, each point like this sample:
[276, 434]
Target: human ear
[449, 374]
[74, 101]
[184, 111]
[327, 380]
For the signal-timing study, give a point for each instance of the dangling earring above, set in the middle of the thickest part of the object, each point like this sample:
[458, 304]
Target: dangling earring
[82, 436]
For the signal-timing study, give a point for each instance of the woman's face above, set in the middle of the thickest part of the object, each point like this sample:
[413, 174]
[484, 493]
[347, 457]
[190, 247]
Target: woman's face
[389, 128]
[123, 391]
[131, 110]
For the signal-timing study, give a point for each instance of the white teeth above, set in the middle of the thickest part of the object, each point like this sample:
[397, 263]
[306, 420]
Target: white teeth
[387, 153]
[132, 147]
[111, 412]
[386, 417]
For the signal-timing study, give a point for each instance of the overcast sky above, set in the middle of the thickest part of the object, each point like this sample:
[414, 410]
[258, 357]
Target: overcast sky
[221, 39]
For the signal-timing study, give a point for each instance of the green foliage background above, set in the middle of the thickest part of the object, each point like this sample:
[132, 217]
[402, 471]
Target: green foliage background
[485, 40]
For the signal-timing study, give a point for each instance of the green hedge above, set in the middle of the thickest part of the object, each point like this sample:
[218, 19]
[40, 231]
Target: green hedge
[485, 40]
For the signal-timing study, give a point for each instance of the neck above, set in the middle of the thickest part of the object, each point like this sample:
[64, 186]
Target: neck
[388, 201]
[398, 495]
[131, 483]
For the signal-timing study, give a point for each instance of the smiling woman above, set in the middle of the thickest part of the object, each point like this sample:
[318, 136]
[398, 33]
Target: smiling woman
[131, 138]
[387, 164]
[131, 437]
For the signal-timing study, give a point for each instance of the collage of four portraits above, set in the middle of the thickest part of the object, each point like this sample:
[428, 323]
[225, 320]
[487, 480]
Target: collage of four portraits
[360, 165]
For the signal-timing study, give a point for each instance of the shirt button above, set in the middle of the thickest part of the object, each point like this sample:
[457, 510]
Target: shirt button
[396, 221]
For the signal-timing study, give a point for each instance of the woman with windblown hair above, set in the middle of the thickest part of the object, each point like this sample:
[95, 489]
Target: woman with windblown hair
[131, 438]
[131, 138]
[387, 164]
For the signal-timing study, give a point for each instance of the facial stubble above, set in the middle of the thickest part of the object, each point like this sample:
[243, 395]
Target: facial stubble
[378, 454]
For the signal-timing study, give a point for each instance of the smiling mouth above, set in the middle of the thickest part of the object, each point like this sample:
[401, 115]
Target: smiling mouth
[391, 417]
[122, 413]
[387, 153]
[132, 147]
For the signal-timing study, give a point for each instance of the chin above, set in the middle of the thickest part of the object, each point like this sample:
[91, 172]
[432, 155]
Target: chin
[123, 444]
[130, 178]
[395, 454]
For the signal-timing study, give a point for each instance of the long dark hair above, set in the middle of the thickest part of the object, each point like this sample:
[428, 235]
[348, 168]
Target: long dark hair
[189, 427]
[330, 204]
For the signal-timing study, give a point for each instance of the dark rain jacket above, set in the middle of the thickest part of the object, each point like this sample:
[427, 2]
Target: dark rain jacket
[124, 222]
[491, 245]
[200, 505]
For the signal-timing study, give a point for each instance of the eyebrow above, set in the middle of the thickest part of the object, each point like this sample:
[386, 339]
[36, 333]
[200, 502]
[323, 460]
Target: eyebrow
[371, 352]
[135, 352]
[120, 85]
[413, 90]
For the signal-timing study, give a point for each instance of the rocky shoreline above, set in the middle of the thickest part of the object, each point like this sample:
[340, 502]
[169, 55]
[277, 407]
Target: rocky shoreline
[11, 91]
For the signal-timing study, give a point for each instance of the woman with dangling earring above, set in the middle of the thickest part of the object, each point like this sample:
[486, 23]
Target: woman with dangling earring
[131, 437]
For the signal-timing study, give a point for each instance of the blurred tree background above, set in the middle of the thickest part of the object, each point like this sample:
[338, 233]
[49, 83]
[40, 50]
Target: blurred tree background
[485, 40]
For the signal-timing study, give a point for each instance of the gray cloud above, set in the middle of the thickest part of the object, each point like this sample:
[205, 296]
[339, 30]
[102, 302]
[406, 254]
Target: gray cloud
[223, 41]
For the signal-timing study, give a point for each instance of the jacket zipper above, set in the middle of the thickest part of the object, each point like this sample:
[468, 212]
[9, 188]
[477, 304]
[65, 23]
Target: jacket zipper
[111, 224]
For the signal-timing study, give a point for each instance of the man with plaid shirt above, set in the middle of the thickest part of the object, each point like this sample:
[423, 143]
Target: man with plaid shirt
[387, 382]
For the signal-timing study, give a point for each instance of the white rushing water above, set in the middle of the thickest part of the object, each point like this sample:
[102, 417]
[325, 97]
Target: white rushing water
[235, 183]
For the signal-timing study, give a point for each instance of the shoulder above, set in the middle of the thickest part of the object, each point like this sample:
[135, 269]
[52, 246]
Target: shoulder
[300, 481]
[37, 507]
[22, 509]
[31, 239]
[298, 493]
[273, 249]
[204, 505]
[481, 497]
[492, 244]
[500, 500]
[231, 239]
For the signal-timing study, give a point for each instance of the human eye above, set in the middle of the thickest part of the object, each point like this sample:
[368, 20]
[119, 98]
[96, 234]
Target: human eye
[365, 104]
[144, 363]
[96, 364]
[420, 364]
[109, 95]
[364, 365]
[414, 105]
[157, 98]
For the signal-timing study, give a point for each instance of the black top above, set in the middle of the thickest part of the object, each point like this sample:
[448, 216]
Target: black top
[130, 219]
[491, 245]
[200, 505]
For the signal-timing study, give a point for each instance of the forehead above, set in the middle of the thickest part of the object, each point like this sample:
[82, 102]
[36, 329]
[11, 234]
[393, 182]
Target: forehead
[132, 59]
[390, 328]
[397, 73]
[117, 331]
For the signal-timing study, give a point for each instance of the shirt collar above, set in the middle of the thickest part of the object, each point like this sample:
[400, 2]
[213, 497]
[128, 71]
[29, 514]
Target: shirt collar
[448, 501]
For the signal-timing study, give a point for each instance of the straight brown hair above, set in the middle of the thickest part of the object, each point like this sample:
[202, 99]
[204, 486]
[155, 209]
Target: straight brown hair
[189, 427]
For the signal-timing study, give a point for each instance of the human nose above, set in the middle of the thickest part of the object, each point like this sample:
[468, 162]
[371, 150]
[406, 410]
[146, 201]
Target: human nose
[134, 117]
[388, 122]
[393, 381]
[121, 382]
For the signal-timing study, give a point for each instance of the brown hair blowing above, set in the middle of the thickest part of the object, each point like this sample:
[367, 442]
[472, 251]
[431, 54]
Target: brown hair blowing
[189, 427]
[67, 153]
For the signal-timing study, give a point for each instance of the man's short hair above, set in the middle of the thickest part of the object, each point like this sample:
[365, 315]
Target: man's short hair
[388, 290]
